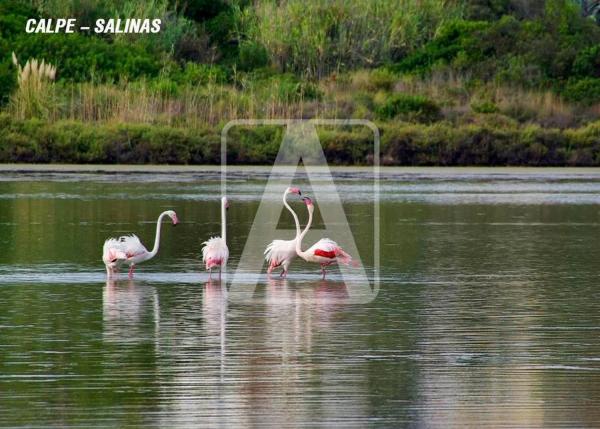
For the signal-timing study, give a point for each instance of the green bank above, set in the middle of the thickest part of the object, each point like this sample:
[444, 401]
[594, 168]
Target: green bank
[448, 82]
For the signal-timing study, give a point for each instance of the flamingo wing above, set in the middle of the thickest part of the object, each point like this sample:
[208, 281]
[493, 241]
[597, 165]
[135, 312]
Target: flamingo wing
[329, 249]
[113, 251]
[215, 252]
[279, 251]
[122, 248]
[132, 246]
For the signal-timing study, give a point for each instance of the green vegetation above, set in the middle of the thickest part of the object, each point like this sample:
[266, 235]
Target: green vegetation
[449, 82]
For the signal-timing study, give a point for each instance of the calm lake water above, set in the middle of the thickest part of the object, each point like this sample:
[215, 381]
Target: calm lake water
[487, 313]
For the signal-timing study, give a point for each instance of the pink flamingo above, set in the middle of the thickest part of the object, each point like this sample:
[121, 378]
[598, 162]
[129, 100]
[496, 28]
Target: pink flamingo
[128, 249]
[215, 252]
[324, 252]
[281, 253]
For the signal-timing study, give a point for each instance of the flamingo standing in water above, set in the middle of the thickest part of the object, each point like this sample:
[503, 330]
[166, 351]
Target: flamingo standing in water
[215, 252]
[324, 252]
[128, 249]
[281, 253]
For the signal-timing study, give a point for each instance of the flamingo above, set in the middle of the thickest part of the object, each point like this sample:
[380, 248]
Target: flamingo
[215, 252]
[324, 252]
[281, 253]
[128, 249]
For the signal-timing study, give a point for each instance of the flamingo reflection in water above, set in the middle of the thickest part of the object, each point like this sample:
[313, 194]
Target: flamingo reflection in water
[125, 306]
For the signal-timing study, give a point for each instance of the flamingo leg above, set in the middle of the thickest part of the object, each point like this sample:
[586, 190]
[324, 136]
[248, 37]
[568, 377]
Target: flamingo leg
[323, 271]
[219, 272]
[131, 269]
[210, 273]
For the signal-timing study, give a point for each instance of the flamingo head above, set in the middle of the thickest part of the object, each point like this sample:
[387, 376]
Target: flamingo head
[173, 216]
[225, 202]
[309, 203]
[292, 190]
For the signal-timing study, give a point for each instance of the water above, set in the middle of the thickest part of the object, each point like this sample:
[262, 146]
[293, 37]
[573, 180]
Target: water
[487, 312]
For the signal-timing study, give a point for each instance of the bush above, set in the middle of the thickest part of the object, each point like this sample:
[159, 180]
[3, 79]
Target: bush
[81, 58]
[252, 55]
[485, 106]
[443, 144]
[254, 145]
[410, 107]
[201, 74]
[286, 88]
[455, 38]
[347, 147]
[8, 80]
[586, 90]
[73, 142]
[13, 17]
[382, 78]
[587, 62]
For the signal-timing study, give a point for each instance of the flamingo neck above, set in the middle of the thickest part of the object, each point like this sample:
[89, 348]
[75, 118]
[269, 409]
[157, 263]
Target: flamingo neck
[299, 239]
[157, 238]
[296, 221]
[223, 222]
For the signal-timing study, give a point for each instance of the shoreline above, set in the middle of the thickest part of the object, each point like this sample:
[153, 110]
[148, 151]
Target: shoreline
[169, 169]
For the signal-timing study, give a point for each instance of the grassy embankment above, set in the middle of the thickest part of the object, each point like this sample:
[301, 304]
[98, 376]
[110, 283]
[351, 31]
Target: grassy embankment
[448, 82]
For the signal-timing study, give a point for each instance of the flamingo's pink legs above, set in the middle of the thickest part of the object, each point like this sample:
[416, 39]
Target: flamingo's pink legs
[131, 269]
[323, 270]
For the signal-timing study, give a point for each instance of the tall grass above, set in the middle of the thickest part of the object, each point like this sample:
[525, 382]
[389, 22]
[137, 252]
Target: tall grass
[34, 94]
[357, 95]
[331, 35]
[191, 106]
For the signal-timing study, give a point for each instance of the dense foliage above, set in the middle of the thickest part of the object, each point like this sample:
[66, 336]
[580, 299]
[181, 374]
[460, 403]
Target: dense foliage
[448, 81]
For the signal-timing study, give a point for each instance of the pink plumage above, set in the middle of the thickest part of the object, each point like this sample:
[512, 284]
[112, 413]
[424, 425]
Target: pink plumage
[215, 252]
[281, 253]
[129, 250]
[324, 252]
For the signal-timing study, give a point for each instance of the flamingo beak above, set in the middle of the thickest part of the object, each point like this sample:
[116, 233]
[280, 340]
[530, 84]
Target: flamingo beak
[175, 221]
[294, 191]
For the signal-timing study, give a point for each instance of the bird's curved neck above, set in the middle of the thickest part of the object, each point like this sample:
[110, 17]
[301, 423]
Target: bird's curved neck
[287, 206]
[223, 221]
[301, 236]
[157, 238]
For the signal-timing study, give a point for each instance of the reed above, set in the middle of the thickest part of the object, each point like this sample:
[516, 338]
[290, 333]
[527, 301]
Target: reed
[192, 106]
[331, 35]
[35, 91]
[355, 95]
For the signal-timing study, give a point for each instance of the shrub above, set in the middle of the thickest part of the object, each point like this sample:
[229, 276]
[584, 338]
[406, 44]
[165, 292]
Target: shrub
[485, 106]
[586, 90]
[347, 147]
[587, 62]
[412, 107]
[382, 78]
[287, 88]
[454, 38]
[201, 74]
[80, 58]
[252, 55]
[8, 80]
